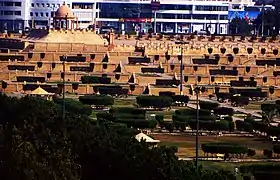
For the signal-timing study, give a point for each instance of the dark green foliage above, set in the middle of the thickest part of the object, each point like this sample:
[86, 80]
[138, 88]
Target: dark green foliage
[268, 112]
[239, 100]
[210, 125]
[268, 153]
[273, 131]
[251, 152]
[276, 148]
[223, 111]
[154, 101]
[223, 148]
[74, 106]
[259, 167]
[37, 143]
[97, 100]
[208, 105]
[244, 126]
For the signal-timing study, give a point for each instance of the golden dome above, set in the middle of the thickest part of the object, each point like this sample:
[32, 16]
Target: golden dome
[64, 11]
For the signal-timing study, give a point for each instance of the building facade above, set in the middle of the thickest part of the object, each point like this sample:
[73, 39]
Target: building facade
[178, 16]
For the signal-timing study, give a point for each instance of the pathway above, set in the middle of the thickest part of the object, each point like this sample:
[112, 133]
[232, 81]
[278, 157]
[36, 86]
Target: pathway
[236, 109]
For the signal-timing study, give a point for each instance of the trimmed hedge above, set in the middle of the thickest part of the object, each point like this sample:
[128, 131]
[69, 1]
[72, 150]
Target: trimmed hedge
[74, 106]
[211, 125]
[184, 118]
[244, 126]
[97, 100]
[154, 101]
[208, 105]
[224, 111]
[223, 148]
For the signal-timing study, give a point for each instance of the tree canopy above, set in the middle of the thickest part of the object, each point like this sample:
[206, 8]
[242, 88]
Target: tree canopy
[37, 143]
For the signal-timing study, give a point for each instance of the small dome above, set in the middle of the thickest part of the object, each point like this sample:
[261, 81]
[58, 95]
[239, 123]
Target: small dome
[64, 11]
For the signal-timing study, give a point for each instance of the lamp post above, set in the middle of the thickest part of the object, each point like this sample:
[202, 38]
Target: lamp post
[197, 90]
[64, 58]
[181, 72]
[181, 65]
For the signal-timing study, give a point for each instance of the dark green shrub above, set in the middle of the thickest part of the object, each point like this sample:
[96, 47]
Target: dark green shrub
[224, 111]
[208, 105]
[105, 116]
[251, 152]
[268, 153]
[154, 101]
[244, 126]
[223, 148]
[276, 148]
[97, 100]
[159, 117]
[74, 106]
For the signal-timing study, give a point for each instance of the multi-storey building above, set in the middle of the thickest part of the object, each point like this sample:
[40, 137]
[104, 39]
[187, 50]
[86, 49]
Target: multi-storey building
[179, 16]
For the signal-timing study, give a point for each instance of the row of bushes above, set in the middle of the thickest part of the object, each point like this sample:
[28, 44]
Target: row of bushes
[158, 102]
[143, 101]
[223, 148]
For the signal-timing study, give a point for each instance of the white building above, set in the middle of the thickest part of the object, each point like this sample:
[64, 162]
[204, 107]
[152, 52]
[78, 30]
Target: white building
[178, 16]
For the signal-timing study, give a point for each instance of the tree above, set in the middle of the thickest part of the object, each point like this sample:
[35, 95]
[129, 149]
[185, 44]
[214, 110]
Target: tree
[270, 20]
[239, 26]
[268, 112]
[37, 143]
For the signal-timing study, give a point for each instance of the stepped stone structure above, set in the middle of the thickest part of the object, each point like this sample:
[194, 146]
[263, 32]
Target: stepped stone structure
[151, 65]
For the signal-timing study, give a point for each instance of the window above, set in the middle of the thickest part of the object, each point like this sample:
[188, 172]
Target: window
[53, 5]
[31, 14]
[58, 5]
[48, 5]
[36, 14]
[68, 5]
[42, 14]
[8, 4]
[18, 13]
[37, 5]
[32, 4]
[43, 5]
[47, 14]
[8, 13]
[18, 4]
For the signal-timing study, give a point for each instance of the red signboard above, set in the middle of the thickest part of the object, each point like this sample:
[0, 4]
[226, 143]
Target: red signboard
[136, 20]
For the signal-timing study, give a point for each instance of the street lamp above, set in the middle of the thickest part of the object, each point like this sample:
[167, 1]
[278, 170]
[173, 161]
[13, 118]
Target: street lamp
[64, 58]
[197, 91]
[180, 58]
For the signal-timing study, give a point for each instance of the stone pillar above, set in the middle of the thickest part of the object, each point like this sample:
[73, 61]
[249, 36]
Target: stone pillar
[77, 24]
[66, 22]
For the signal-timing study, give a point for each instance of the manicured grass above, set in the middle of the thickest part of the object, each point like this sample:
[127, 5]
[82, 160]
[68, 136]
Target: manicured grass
[186, 143]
